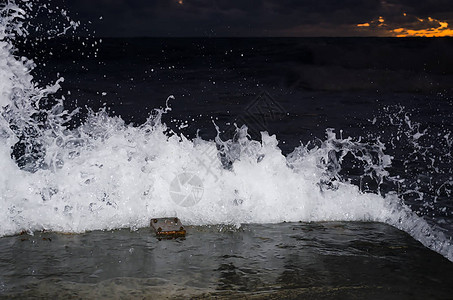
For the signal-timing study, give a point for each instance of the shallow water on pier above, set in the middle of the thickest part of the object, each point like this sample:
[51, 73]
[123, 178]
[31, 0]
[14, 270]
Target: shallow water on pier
[290, 260]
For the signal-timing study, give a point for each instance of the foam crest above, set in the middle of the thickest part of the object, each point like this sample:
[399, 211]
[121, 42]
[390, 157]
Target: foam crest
[107, 174]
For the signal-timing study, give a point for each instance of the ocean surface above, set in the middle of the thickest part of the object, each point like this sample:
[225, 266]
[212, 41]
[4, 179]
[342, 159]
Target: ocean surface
[336, 150]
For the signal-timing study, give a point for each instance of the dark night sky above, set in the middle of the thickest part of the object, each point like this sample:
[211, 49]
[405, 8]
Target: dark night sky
[203, 18]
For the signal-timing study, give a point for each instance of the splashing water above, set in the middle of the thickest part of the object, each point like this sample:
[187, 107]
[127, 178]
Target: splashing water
[107, 174]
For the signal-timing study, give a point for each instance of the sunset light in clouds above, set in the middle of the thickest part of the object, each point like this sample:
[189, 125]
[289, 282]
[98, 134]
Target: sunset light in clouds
[441, 31]
[363, 25]
[411, 27]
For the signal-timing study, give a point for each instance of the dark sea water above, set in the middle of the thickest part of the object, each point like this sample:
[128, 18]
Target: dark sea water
[349, 140]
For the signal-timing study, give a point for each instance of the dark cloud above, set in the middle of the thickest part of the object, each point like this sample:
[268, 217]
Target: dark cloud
[432, 8]
[247, 17]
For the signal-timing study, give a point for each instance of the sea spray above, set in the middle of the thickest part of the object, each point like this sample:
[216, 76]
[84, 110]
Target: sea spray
[107, 174]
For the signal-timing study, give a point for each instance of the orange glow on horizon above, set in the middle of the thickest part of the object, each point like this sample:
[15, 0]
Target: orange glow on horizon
[429, 27]
[441, 31]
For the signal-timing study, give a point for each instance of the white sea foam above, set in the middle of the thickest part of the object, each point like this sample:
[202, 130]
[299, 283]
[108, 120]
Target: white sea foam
[107, 174]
